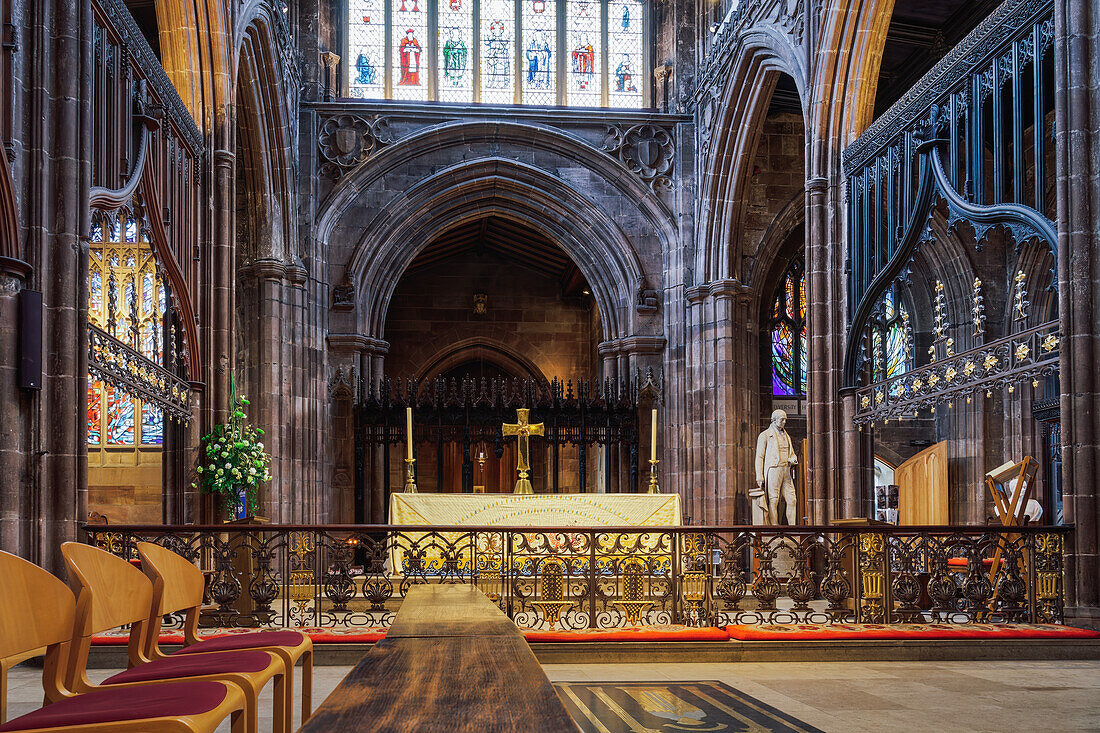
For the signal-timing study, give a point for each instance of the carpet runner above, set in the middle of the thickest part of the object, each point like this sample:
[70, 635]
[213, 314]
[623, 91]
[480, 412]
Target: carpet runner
[927, 632]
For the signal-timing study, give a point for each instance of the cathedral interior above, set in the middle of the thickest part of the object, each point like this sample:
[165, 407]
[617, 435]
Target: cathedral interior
[854, 242]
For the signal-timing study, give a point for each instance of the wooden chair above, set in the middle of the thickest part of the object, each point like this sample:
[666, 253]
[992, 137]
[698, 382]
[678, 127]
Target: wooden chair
[178, 586]
[110, 592]
[38, 611]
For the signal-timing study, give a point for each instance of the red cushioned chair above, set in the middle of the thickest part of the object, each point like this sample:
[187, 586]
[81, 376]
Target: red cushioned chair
[37, 610]
[178, 586]
[111, 592]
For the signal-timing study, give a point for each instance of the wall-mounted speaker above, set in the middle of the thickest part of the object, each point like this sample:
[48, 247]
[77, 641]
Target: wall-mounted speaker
[30, 339]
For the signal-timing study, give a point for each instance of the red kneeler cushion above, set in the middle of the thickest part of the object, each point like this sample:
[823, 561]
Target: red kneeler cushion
[832, 632]
[962, 562]
[353, 635]
[672, 632]
[193, 665]
[171, 700]
[245, 641]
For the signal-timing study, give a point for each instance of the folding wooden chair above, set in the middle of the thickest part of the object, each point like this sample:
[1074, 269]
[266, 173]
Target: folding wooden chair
[111, 592]
[38, 611]
[178, 586]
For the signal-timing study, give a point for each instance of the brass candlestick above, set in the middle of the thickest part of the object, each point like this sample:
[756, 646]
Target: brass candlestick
[653, 487]
[410, 476]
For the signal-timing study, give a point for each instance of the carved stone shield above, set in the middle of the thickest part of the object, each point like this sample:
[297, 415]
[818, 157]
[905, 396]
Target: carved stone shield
[346, 140]
[648, 152]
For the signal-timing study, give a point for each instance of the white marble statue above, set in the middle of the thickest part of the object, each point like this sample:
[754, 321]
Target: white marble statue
[775, 458]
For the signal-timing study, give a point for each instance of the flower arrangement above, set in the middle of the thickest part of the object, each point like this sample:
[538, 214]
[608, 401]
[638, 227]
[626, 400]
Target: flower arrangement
[233, 462]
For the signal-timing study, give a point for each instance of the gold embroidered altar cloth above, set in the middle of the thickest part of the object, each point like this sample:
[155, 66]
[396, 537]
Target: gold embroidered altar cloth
[536, 510]
[432, 553]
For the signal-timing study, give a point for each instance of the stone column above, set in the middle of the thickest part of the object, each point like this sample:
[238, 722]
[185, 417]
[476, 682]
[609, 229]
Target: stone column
[695, 396]
[729, 392]
[13, 403]
[826, 305]
[1077, 139]
[269, 395]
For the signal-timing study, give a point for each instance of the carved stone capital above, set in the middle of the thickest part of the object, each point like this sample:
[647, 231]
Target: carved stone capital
[696, 294]
[267, 269]
[348, 342]
[643, 344]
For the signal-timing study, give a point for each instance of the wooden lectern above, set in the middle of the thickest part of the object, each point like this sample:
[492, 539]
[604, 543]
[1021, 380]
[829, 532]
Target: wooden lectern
[1010, 487]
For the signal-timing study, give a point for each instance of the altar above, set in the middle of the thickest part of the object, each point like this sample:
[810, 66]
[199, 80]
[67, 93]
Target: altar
[536, 510]
[455, 552]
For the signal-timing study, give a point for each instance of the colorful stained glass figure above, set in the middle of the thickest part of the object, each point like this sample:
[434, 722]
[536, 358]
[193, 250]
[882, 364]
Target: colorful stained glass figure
[788, 350]
[497, 38]
[454, 68]
[152, 425]
[583, 21]
[95, 412]
[120, 418]
[538, 62]
[624, 76]
[367, 45]
[368, 72]
[540, 33]
[625, 47]
[410, 52]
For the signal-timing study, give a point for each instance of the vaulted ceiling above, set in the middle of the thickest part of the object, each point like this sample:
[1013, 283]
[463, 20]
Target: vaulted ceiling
[494, 236]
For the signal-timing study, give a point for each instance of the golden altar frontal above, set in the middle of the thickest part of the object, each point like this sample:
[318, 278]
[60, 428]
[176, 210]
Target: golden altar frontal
[444, 552]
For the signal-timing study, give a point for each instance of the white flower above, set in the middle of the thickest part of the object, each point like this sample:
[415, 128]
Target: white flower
[259, 446]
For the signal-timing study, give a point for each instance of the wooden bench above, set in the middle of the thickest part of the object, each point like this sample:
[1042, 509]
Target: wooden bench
[452, 661]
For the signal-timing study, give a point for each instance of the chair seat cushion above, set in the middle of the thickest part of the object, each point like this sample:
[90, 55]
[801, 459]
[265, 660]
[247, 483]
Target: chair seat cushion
[250, 640]
[193, 665]
[172, 699]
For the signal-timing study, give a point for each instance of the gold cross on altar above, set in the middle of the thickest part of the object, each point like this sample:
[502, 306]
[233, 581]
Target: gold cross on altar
[523, 430]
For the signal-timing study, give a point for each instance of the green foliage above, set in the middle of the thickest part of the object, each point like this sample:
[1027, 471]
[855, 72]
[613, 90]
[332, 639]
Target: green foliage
[232, 457]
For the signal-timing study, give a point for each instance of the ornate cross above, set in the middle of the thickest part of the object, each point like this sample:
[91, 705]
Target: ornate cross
[523, 430]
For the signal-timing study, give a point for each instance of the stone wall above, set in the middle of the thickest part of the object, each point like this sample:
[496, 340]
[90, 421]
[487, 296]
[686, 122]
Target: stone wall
[432, 313]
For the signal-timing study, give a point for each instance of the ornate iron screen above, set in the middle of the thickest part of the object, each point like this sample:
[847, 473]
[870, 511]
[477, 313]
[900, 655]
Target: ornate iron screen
[971, 141]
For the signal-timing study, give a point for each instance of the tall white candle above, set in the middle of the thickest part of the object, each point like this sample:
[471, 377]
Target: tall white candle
[653, 436]
[409, 430]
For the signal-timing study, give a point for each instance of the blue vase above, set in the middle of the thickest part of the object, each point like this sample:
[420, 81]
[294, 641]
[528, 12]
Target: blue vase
[242, 503]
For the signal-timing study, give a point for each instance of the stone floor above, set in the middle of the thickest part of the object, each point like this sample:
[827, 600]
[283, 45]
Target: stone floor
[833, 696]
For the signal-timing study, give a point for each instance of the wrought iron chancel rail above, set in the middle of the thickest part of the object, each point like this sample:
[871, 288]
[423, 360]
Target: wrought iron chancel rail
[349, 576]
[1029, 355]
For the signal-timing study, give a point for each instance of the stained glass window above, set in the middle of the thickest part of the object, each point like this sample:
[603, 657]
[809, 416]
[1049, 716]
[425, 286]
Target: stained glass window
[788, 329]
[498, 33]
[456, 39]
[540, 51]
[624, 51]
[409, 41]
[582, 39]
[488, 50]
[891, 339]
[127, 299]
[366, 48]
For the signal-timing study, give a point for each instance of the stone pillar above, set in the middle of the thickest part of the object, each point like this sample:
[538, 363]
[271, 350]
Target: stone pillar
[268, 395]
[695, 396]
[1077, 140]
[826, 304]
[13, 408]
[730, 392]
